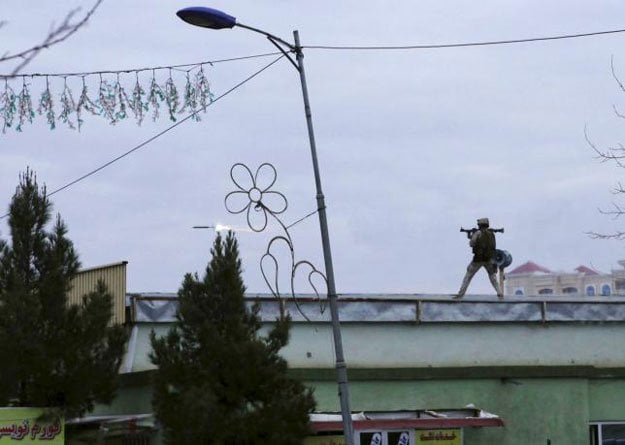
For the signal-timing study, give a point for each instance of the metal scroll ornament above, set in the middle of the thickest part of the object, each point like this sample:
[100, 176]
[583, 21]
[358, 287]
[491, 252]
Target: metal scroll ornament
[254, 197]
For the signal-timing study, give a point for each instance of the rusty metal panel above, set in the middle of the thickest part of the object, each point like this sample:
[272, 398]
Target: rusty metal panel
[113, 275]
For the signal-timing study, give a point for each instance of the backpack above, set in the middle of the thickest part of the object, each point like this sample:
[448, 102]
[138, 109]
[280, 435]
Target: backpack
[484, 248]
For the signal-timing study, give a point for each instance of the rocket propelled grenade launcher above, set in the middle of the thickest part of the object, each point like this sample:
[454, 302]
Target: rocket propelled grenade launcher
[470, 232]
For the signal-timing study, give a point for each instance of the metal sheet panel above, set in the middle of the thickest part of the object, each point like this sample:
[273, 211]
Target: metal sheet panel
[155, 309]
[113, 275]
[410, 309]
[585, 312]
[470, 311]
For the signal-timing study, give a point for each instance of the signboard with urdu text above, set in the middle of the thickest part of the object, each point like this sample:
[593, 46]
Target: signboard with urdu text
[438, 437]
[25, 426]
[325, 440]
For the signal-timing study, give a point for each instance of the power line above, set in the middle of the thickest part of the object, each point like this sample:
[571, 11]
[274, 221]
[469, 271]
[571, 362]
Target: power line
[190, 66]
[181, 67]
[464, 44]
[171, 127]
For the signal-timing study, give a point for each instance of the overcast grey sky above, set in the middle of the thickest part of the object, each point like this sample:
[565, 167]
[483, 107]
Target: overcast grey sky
[412, 144]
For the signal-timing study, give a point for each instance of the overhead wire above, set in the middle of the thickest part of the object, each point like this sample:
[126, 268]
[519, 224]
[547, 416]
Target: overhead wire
[330, 47]
[463, 44]
[161, 133]
[313, 47]
[138, 70]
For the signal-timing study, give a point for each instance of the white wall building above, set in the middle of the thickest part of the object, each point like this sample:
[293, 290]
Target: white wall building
[533, 279]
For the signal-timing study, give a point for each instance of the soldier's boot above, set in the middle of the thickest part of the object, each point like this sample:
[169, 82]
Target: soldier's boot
[465, 284]
[495, 282]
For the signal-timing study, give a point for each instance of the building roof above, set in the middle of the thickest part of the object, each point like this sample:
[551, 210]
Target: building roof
[586, 270]
[529, 267]
[420, 419]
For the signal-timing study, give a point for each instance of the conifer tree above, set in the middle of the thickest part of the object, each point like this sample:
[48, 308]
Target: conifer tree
[54, 355]
[218, 380]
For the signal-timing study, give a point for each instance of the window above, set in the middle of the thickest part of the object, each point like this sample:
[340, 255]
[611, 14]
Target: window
[371, 438]
[386, 438]
[399, 438]
[409, 437]
[610, 433]
[518, 291]
[545, 292]
[590, 291]
[606, 291]
[569, 290]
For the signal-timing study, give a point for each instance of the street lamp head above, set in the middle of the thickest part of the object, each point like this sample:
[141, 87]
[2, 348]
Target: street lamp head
[207, 17]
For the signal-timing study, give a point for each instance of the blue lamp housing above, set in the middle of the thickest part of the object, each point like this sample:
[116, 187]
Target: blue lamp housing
[207, 17]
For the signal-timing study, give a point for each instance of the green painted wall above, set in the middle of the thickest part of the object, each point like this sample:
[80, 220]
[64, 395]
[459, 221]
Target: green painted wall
[129, 400]
[606, 400]
[534, 410]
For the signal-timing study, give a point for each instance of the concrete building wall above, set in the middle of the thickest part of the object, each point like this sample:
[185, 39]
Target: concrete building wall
[548, 368]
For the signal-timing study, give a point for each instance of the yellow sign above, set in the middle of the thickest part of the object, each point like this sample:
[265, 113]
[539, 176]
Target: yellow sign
[325, 440]
[438, 437]
[25, 426]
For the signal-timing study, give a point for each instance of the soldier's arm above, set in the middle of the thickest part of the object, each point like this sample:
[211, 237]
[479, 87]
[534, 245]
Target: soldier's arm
[474, 238]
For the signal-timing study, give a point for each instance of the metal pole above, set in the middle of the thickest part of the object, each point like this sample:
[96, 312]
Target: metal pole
[341, 368]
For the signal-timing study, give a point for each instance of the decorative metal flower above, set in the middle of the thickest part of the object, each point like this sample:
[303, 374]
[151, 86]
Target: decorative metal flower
[253, 195]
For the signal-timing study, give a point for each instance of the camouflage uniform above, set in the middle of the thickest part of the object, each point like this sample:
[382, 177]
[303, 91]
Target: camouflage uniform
[483, 244]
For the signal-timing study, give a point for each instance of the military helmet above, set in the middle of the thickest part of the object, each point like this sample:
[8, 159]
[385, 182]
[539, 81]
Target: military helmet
[483, 222]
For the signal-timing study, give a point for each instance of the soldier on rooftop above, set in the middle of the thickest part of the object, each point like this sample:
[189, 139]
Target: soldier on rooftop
[483, 244]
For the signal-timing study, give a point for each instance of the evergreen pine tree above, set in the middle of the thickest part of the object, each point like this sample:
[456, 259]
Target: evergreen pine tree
[54, 354]
[218, 380]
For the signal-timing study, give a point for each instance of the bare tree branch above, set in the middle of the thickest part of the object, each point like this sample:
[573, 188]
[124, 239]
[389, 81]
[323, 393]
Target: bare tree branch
[617, 112]
[614, 154]
[620, 236]
[56, 35]
[618, 80]
[616, 211]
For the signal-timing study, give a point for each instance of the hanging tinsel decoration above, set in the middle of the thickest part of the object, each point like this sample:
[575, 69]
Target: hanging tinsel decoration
[190, 98]
[113, 98]
[68, 105]
[85, 104]
[122, 100]
[107, 101]
[155, 96]
[46, 106]
[171, 97]
[8, 106]
[202, 89]
[24, 107]
[137, 105]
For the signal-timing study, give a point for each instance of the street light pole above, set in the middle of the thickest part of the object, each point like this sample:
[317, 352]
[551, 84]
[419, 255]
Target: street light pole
[215, 19]
[341, 366]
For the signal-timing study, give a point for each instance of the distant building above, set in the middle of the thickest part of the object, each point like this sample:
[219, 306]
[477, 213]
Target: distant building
[533, 279]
